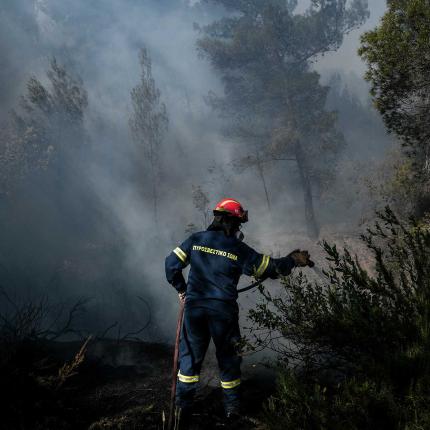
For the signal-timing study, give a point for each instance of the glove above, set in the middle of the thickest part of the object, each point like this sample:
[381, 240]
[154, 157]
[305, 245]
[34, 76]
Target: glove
[301, 258]
[178, 282]
[283, 266]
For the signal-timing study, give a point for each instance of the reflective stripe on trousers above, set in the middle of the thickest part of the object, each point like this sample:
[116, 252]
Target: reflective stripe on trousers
[188, 379]
[227, 385]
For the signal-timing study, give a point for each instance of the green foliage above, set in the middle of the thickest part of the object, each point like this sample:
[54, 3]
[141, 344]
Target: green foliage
[398, 56]
[149, 118]
[350, 405]
[358, 344]
[395, 182]
[263, 53]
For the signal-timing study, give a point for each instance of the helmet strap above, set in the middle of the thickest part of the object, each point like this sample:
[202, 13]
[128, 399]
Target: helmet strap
[239, 235]
[229, 225]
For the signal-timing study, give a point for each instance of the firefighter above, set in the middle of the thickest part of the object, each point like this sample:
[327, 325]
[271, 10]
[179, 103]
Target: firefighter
[218, 258]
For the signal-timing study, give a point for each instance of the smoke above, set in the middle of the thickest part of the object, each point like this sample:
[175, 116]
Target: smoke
[100, 41]
[346, 58]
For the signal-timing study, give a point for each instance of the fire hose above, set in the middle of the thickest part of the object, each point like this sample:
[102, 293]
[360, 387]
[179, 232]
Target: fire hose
[175, 364]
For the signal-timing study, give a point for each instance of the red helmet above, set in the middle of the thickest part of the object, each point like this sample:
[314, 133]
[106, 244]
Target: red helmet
[231, 207]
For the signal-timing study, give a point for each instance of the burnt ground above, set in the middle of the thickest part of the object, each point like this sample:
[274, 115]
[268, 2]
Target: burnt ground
[119, 385]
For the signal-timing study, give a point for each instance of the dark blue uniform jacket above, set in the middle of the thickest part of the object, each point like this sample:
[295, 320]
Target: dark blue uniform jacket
[217, 262]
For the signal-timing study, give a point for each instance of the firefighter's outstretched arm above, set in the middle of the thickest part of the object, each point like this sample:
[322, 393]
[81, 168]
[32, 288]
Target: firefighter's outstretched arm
[276, 267]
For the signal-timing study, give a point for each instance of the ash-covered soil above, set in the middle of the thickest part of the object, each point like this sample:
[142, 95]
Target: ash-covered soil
[119, 385]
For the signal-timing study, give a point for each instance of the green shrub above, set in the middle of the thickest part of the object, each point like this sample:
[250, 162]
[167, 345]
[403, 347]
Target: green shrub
[354, 350]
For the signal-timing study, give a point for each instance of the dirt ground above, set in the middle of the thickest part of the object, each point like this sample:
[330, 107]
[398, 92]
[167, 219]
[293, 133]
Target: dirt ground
[122, 386]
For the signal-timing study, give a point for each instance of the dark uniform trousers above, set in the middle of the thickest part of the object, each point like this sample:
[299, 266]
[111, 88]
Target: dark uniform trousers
[202, 323]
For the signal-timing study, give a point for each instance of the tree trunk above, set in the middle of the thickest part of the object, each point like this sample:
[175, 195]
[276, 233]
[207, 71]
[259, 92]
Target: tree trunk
[311, 223]
[154, 193]
[152, 160]
[263, 180]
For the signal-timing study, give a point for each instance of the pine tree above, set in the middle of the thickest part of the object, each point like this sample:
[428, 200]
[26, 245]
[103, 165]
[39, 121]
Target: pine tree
[46, 130]
[148, 121]
[274, 101]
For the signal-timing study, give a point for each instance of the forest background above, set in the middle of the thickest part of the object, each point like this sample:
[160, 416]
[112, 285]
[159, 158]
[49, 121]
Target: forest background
[93, 197]
[121, 126]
